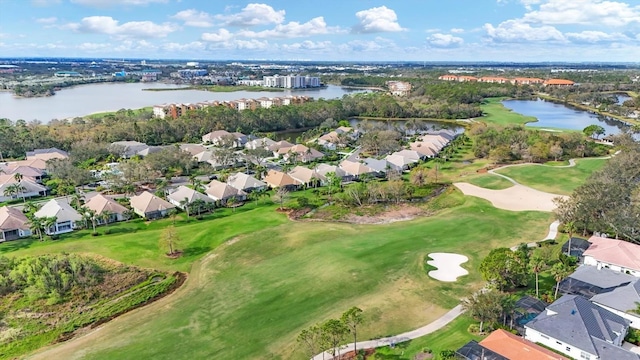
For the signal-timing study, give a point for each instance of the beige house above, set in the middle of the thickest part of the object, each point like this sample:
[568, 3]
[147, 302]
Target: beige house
[307, 176]
[13, 224]
[101, 204]
[47, 154]
[66, 216]
[221, 192]
[150, 206]
[183, 193]
[277, 179]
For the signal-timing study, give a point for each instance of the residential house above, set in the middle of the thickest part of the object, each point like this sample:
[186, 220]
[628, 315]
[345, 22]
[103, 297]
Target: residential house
[588, 281]
[448, 77]
[26, 171]
[613, 254]
[277, 179]
[474, 351]
[264, 143]
[47, 154]
[102, 204]
[558, 83]
[493, 80]
[189, 195]
[127, 149]
[622, 301]
[526, 81]
[399, 162]
[354, 169]
[329, 140]
[466, 78]
[192, 149]
[219, 138]
[151, 149]
[380, 166]
[66, 216]
[37, 163]
[241, 139]
[574, 326]
[435, 141]
[221, 192]
[306, 176]
[514, 347]
[150, 206]
[410, 154]
[28, 187]
[325, 169]
[424, 149]
[399, 88]
[246, 183]
[13, 224]
[279, 145]
[300, 153]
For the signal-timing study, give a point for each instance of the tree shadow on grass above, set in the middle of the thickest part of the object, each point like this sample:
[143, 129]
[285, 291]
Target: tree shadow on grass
[15, 245]
[196, 251]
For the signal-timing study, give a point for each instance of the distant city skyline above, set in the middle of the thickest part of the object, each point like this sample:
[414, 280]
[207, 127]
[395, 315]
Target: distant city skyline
[331, 30]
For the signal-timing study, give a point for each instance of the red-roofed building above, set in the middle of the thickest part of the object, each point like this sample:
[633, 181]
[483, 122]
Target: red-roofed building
[526, 81]
[448, 77]
[616, 255]
[464, 78]
[493, 80]
[558, 82]
[514, 347]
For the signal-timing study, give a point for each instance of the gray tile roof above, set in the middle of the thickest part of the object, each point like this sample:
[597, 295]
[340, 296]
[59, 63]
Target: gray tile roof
[577, 322]
[608, 351]
[603, 278]
[623, 298]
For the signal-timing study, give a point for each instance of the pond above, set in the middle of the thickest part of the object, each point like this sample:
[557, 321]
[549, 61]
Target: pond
[552, 115]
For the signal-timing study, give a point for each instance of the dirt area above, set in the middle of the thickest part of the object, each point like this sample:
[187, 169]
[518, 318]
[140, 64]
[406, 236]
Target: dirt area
[403, 212]
[515, 198]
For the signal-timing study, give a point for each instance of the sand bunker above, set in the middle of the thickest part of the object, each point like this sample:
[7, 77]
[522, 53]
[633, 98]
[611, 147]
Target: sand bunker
[515, 198]
[448, 265]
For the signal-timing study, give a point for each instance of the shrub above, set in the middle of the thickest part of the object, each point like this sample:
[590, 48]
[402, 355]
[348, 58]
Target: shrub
[107, 231]
[447, 354]
[95, 233]
[474, 329]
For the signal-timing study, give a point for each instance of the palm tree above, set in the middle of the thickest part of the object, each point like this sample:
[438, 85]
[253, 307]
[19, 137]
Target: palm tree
[537, 264]
[31, 207]
[196, 183]
[184, 203]
[90, 215]
[231, 202]
[570, 228]
[36, 225]
[18, 178]
[105, 216]
[49, 223]
[559, 272]
[13, 190]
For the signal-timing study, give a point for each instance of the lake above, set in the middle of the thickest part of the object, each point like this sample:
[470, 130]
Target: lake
[88, 99]
[552, 115]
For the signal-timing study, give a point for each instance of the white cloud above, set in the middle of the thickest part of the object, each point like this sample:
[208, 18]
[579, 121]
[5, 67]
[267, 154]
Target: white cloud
[457, 30]
[308, 45]
[592, 37]
[363, 45]
[177, 47]
[512, 31]
[315, 26]
[48, 21]
[91, 47]
[195, 18]
[104, 3]
[252, 15]
[584, 12]
[377, 19]
[133, 29]
[219, 36]
[444, 40]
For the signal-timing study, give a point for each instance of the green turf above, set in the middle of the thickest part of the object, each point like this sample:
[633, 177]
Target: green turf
[496, 113]
[252, 298]
[554, 179]
[489, 181]
[451, 337]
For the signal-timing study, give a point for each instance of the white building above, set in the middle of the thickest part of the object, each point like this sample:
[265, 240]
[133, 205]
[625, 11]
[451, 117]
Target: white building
[616, 255]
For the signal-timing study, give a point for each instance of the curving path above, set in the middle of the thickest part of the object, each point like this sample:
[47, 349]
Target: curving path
[392, 340]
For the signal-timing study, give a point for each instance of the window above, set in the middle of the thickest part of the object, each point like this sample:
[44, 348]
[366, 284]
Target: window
[585, 356]
[544, 336]
[568, 349]
[558, 342]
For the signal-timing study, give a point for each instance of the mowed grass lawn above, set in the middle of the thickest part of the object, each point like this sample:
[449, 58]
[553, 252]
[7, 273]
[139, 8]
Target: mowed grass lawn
[489, 181]
[554, 179]
[496, 113]
[251, 298]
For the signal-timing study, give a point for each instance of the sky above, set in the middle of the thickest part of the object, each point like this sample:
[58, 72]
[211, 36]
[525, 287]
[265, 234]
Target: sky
[331, 30]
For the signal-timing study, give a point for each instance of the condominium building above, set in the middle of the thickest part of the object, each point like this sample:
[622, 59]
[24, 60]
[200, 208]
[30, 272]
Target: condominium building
[291, 81]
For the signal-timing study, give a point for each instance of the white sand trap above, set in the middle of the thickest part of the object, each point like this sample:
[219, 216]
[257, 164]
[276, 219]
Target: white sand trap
[448, 265]
[515, 198]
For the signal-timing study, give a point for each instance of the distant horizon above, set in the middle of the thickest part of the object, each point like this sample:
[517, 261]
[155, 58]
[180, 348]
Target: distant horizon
[439, 62]
[521, 31]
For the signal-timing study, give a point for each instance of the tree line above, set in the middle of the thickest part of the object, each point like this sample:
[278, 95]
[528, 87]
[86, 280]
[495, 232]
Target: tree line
[609, 201]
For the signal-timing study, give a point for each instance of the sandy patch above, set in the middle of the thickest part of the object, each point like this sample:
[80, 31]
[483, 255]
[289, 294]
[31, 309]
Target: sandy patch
[448, 265]
[515, 198]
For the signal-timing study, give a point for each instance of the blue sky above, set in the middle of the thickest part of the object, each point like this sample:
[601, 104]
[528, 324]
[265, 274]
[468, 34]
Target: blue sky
[421, 30]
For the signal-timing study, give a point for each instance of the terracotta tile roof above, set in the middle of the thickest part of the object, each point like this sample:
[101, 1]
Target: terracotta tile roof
[12, 219]
[558, 82]
[616, 252]
[516, 348]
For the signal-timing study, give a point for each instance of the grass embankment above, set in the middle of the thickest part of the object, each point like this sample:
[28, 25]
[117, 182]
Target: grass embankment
[139, 111]
[489, 181]
[253, 297]
[137, 242]
[554, 179]
[496, 113]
